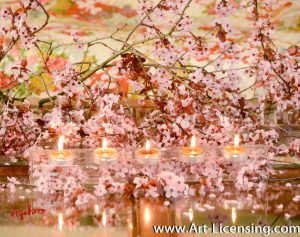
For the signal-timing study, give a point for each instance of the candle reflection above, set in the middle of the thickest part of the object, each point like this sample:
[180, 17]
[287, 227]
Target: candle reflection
[233, 215]
[191, 214]
[147, 215]
[104, 219]
[60, 221]
[129, 224]
[96, 209]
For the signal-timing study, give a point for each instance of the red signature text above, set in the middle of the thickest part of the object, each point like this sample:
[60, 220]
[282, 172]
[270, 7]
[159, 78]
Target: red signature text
[29, 212]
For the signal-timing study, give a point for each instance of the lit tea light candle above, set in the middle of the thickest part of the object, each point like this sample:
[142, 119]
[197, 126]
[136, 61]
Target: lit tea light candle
[61, 156]
[147, 155]
[106, 154]
[235, 151]
[193, 153]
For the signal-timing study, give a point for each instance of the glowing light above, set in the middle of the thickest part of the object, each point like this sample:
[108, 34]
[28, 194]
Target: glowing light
[236, 141]
[233, 215]
[191, 214]
[60, 221]
[130, 226]
[104, 218]
[193, 142]
[104, 143]
[61, 144]
[147, 215]
[96, 209]
[148, 145]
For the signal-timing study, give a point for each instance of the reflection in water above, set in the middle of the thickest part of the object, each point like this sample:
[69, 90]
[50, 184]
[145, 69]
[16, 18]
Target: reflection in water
[60, 221]
[129, 224]
[96, 209]
[124, 215]
[233, 215]
[191, 214]
[147, 215]
[104, 219]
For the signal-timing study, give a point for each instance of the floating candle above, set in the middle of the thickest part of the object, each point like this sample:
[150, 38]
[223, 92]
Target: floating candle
[147, 155]
[105, 153]
[193, 153]
[235, 151]
[61, 156]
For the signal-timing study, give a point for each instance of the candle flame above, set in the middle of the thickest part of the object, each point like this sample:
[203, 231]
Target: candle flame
[104, 143]
[61, 144]
[236, 140]
[148, 145]
[147, 215]
[193, 142]
[60, 221]
[104, 218]
[233, 215]
[191, 214]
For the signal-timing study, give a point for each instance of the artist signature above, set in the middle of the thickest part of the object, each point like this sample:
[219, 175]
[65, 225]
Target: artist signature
[29, 212]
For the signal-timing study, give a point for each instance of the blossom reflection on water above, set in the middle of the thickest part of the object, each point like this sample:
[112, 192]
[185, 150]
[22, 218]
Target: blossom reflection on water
[136, 217]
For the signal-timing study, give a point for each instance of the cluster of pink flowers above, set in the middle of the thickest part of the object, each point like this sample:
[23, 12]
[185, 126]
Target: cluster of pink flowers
[19, 129]
[193, 83]
[173, 186]
[14, 24]
[68, 81]
[21, 72]
[224, 7]
[293, 148]
[12, 182]
[107, 186]
[49, 179]
[168, 179]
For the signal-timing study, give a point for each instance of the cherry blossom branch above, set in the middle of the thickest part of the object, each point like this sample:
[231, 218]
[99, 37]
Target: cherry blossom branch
[180, 18]
[256, 13]
[14, 41]
[141, 22]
